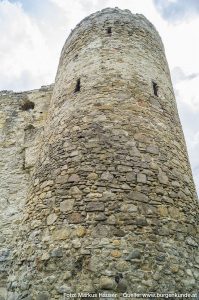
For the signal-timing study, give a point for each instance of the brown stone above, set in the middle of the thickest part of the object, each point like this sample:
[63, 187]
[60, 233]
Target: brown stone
[75, 218]
[80, 231]
[116, 253]
[162, 210]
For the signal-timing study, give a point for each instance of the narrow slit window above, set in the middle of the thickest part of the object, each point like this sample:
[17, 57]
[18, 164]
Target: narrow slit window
[77, 87]
[155, 88]
[109, 30]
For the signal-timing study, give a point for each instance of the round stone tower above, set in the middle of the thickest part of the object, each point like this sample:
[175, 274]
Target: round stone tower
[112, 205]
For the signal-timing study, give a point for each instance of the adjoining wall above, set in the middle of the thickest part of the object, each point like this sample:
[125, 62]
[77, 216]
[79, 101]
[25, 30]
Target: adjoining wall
[112, 204]
[22, 117]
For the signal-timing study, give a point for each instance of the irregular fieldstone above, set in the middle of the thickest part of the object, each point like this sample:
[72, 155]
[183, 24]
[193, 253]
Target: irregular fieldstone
[142, 138]
[152, 149]
[92, 176]
[135, 254]
[134, 195]
[122, 286]
[129, 208]
[190, 241]
[74, 190]
[66, 205]
[61, 234]
[130, 176]
[75, 218]
[107, 176]
[67, 275]
[76, 243]
[100, 217]
[107, 283]
[4, 254]
[141, 221]
[162, 210]
[141, 178]
[62, 179]
[51, 219]
[74, 178]
[57, 252]
[95, 206]
[45, 256]
[80, 231]
[124, 169]
[163, 178]
[116, 253]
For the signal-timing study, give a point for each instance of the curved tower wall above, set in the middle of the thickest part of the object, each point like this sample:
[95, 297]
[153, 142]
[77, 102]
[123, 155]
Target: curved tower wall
[112, 204]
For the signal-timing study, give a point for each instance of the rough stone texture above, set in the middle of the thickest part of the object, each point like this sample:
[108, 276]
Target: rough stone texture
[20, 131]
[116, 153]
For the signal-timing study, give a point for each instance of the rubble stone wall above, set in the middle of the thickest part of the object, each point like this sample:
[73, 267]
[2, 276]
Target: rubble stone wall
[22, 116]
[112, 205]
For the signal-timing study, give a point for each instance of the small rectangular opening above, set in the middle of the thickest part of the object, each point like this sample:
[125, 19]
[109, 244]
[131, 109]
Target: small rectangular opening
[109, 30]
[77, 87]
[155, 88]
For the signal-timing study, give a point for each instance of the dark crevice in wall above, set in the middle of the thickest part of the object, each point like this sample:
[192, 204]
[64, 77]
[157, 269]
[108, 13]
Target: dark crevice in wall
[109, 30]
[155, 88]
[77, 87]
[27, 105]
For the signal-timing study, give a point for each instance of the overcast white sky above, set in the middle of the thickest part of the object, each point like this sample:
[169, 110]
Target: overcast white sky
[32, 33]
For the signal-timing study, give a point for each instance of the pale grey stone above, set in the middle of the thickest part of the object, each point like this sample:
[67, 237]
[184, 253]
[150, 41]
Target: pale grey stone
[141, 178]
[107, 176]
[66, 205]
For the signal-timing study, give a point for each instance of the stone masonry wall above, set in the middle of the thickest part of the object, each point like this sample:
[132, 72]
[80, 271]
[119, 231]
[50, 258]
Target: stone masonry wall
[21, 125]
[112, 205]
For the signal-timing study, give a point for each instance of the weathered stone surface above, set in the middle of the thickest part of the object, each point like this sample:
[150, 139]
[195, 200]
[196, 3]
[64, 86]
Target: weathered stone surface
[107, 176]
[116, 253]
[80, 231]
[163, 178]
[74, 178]
[42, 296]
[141, 178]
[51, 219]
[135, 254]
[107, 283]
[111, 188]
[92, 176]
[75, 218]
[57, 252]
[61, 234]
[95, 206]
[66, 205]
[162, 210]
[134, 195]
